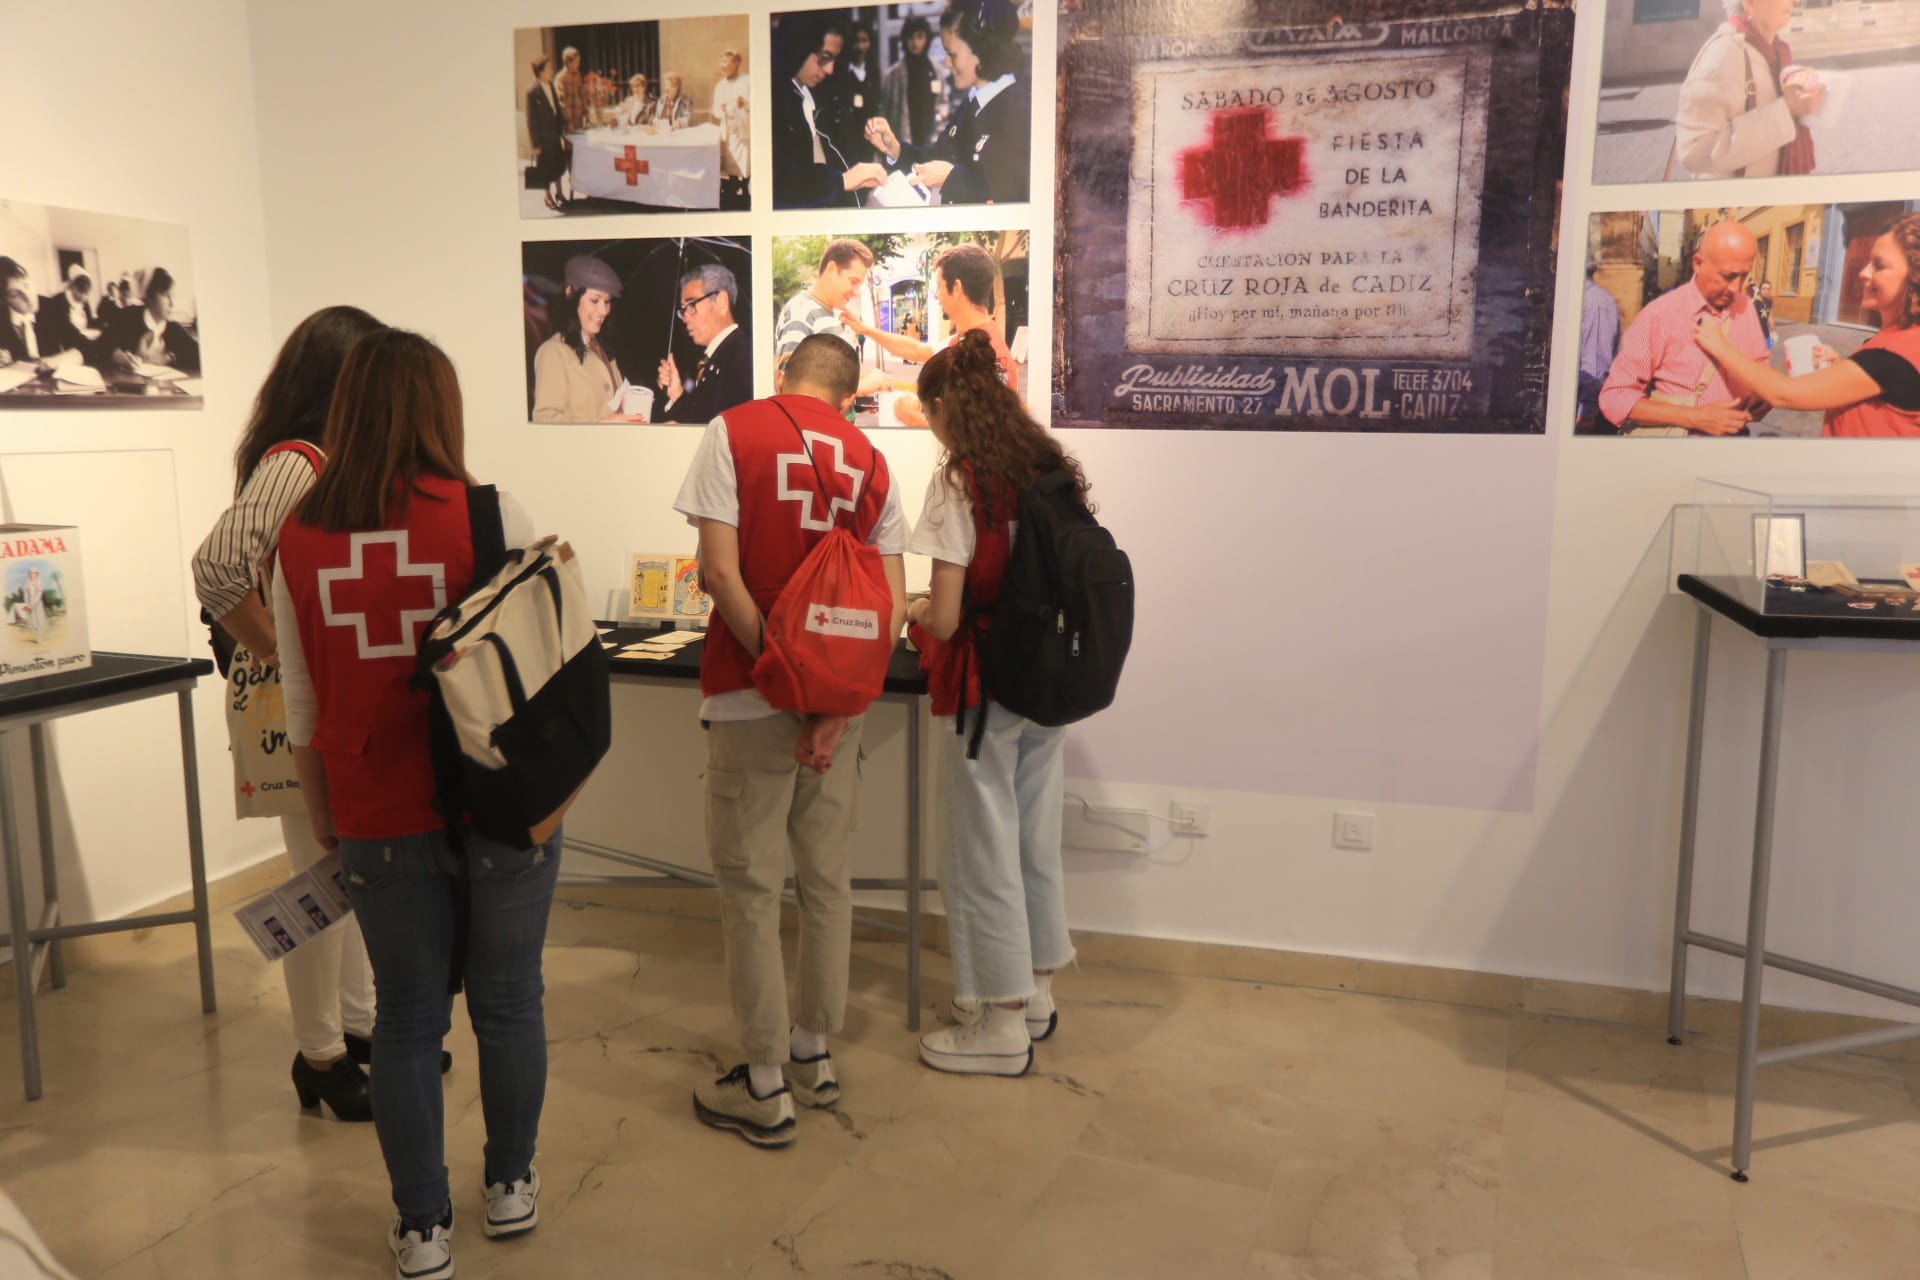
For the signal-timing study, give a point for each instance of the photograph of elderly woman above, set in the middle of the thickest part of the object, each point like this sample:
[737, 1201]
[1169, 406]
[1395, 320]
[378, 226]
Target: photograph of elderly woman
[634, 331]
[1798, 321]
[1755, 88]
[632, 117]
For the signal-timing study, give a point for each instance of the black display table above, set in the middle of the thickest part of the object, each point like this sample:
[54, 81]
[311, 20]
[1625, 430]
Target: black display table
[1817, 624]
[905, 685]
[114, 678]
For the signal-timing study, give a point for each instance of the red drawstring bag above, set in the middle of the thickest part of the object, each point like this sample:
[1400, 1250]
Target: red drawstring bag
[825, 648]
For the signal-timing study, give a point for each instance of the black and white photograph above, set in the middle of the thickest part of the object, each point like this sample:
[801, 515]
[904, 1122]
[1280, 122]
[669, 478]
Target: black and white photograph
[633, 117]
[636, 331]
[902, 105]
[1272, 218]
[1756, 88]
[99, 311]
[898, 298]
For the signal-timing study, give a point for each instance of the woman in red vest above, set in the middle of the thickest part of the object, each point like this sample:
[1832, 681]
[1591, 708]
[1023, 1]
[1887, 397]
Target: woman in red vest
[329, 984]
[1000, 874]
[377, 547]
[1876, 390]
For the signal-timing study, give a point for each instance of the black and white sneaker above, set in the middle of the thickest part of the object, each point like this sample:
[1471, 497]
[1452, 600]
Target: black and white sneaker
[812, 1081]
[731, 1103]
[513, 1208]
[422, 1254]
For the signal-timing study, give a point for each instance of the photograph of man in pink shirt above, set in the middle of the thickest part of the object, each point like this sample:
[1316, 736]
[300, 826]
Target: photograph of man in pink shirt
[1662, 383]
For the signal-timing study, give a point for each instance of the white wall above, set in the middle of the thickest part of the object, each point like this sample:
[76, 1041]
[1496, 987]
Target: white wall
[1471, 638]
[115, 112]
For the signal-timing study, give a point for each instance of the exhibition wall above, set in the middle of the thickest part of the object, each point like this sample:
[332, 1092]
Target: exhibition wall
[1468, 635]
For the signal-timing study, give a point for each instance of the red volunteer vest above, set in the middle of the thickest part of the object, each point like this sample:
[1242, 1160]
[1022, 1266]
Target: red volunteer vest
[363, 600]
[1876, 417]
[782, 514]
[953, 670]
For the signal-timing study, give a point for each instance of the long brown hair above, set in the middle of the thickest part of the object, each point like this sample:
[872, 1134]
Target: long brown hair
[1905, 234]
[395, 417]
[293, 401]
[994, 447]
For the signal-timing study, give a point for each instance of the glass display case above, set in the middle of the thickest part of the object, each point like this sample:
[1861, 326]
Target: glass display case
[1845, 559]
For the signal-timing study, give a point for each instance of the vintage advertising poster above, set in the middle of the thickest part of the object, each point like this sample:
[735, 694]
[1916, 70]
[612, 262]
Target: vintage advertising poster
[1322, 223]
[43, 612]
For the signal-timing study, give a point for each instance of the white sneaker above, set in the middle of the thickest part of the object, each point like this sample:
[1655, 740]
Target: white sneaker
[513, 1208]
[812, 1081]
[994, 1044]
[422, 1255]
[1042, 1015]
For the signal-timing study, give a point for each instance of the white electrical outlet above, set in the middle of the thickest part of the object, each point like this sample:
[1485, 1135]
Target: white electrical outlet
[1353, 830]
[1191, 817]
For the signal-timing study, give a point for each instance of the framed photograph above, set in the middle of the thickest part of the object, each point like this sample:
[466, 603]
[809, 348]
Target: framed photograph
[650, 579]
[95, 310]
[896, 299]
[1780, 546]
[632, 117]
[636, 331]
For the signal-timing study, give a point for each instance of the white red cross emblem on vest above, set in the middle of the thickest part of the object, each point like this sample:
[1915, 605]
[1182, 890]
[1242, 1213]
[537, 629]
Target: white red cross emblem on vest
[382, 594]
[809, 485]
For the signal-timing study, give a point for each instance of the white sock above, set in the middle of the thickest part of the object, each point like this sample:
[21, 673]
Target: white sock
[807, 1044]
[765, 1080]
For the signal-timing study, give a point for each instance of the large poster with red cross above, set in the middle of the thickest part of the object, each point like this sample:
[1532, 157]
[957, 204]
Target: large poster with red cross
[1321, 222]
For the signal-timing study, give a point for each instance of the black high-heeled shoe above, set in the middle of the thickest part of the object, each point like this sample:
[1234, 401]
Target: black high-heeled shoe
[343, 1086]
[360, 1050]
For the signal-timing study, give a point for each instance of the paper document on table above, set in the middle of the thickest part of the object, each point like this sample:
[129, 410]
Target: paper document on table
[80, 375]
[899, 192]
[673, 639]
[16, 376]
[647, 652]
[157, 372]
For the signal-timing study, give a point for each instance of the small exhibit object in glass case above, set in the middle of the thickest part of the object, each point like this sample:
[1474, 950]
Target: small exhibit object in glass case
[42, 605]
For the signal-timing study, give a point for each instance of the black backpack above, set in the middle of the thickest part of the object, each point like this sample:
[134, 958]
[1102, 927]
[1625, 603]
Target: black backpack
[1064, 619]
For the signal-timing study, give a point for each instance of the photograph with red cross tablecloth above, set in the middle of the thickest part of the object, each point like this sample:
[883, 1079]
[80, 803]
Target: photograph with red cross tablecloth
[632, 117]
[1308, 214]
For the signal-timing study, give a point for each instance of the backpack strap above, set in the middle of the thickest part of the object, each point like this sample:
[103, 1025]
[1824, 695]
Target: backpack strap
[487, 529]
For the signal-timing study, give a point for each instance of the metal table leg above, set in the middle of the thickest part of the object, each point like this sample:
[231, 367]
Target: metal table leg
[197, 851]
[49, 863]
[914, 781]
[21, 937]
[1689, 825]
[1756, 943]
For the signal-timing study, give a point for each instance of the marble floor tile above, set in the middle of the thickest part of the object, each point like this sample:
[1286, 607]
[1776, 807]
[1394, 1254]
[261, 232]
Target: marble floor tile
[1791, 1233]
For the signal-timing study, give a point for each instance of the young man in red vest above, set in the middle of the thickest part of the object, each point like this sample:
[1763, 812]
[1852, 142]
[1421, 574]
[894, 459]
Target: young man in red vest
[756, 497]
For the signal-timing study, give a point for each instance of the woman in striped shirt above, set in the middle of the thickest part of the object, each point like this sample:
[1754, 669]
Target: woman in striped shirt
[329, 982]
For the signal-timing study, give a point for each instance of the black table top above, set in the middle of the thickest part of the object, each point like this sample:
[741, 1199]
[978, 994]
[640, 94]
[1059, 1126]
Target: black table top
[110, 675]
[1815, 614]
[903, 673]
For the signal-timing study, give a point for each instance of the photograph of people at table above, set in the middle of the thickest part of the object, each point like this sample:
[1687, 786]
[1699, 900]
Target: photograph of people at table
[636, 331]
[1755, 88]
[902, 105]
[95, 309]
[1687, 307]
[897, 299]
[632, 117]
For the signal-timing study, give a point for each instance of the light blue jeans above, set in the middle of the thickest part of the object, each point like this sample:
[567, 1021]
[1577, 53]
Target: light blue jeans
[403, 891]
[1000, 870]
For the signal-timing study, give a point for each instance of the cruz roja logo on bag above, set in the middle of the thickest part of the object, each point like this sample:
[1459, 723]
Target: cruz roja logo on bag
[861, 624]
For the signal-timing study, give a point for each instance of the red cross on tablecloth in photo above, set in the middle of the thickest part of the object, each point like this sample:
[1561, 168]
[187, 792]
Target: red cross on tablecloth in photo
[383, 595]
[632, 165]
[1242, 169]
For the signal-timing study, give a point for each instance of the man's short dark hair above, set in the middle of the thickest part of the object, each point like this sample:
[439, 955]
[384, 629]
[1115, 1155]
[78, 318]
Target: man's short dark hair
[844, 252]
[972, 268]
[825, 363]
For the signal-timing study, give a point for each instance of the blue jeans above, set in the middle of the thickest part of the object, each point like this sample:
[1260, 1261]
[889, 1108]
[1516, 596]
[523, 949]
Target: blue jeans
[402, 890]
[1000, 873]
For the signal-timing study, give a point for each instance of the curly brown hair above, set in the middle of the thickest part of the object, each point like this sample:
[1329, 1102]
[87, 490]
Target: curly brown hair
[992, 441]
[1905, 234]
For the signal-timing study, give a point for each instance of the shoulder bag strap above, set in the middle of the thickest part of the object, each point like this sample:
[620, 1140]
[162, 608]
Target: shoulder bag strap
[487, 529]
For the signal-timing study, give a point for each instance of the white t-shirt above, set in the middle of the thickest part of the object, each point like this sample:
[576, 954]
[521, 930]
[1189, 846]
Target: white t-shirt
[945, 528]
[711, 491]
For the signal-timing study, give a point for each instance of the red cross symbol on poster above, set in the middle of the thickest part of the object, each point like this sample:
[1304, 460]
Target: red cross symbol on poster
[632, 165]
[382, 595]
[1242, 169]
